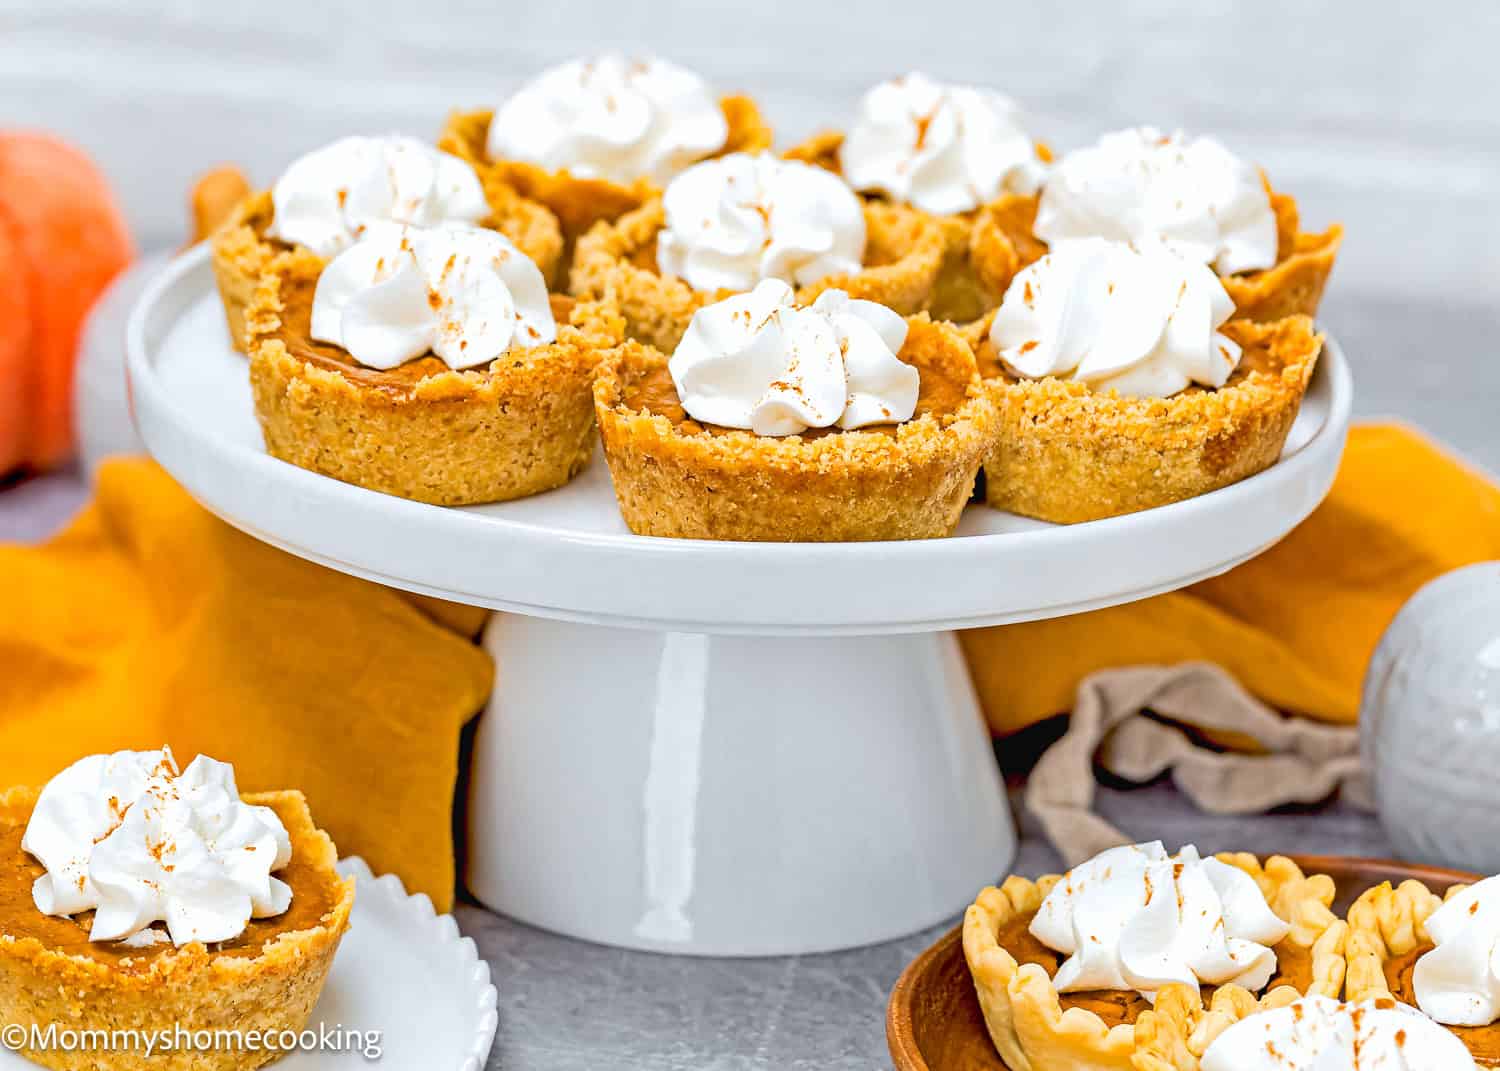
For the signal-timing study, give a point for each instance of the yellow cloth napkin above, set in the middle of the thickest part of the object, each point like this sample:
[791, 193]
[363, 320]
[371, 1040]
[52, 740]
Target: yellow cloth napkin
[150, 621]
[1296, 625]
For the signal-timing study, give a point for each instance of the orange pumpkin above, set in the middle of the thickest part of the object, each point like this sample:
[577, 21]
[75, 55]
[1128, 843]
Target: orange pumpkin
[62, 239]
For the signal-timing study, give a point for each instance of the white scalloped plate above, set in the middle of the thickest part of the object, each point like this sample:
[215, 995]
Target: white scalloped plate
[405, 971]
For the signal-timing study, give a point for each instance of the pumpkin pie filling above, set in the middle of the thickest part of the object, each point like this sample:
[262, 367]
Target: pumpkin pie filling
[295, 332]
[315, 894]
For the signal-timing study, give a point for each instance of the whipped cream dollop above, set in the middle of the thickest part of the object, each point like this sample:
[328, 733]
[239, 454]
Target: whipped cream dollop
[611, 117]
[1137, 918]
[1458, 981]
[327, 198]
[745, 217]
[1141, 321]
[1321, 1034]
[463, 293]
[943, 148]
[136, 841]
[1139, 185]
[759, 362]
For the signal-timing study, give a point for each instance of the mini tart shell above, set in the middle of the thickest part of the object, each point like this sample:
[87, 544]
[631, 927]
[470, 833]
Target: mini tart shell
[961, 294]
[903, 254]
[242, 252]
[1031, 1031]
[1002, 243]
[846, 486]
[523, 425]
[1066, 453]
[1387, 934]
[579, 203]
[191, 986]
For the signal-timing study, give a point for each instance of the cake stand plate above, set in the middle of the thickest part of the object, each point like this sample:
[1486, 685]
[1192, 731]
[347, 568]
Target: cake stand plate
[718, 748]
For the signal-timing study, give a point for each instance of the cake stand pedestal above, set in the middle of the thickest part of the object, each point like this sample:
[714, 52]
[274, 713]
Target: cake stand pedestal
[699, 747]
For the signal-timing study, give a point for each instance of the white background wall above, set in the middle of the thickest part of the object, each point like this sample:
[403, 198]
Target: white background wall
[1383, 115]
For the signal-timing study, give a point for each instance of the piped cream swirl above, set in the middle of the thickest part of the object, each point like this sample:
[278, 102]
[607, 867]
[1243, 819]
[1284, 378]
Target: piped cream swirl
[135, 841]
[757, 361]
[1143, 321]
[1458, 981]
[1318, 1033]
[1138, 918]
[326, 199]
[1140, 185]
[611, 117]
[944, 148]
[741, 218]
[464, 294]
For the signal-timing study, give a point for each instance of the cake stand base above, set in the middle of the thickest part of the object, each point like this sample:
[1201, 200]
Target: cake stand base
[731, 795]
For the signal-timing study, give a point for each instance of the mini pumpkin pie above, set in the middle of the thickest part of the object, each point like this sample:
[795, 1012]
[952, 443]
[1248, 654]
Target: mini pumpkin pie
[1121, 386]
[139, 898]
[1192, 194]
[724, 225]
[1283, 1032]
[1066, 968]
[324, 201]
[838, 421]
[1436, 953]
[594, 138]
[947, 150]
[426, 363]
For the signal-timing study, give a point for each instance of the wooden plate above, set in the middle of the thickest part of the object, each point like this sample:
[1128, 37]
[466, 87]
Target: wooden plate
[933, 1021]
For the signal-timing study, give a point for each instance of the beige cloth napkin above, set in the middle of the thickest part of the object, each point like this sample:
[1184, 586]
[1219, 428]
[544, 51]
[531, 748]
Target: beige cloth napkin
[1141, 722]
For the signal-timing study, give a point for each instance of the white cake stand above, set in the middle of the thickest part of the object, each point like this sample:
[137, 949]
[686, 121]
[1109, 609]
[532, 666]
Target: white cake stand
[699, 747]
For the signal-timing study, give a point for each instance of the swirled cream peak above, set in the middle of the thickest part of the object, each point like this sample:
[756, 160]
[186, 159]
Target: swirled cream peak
[462, 293]
[327, 198]
[757, 361]
[1141, 321]
[1138, 918]
[943, 148]
[1321, 1034]
[1458, 981]
[745, 217]
[611, 117]
[1140, 185]
[135, 841]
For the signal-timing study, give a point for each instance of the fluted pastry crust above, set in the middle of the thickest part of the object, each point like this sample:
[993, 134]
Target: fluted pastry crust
[1033, 1032]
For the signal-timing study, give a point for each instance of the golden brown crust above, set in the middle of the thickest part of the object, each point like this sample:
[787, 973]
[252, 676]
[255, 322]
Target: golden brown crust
[521, 426]
[242, 252]
[910, 482]
[579, 203]
[1003, 244]
[1066, 453]
[188, 986]
[903, 253]
[1031, 1030]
